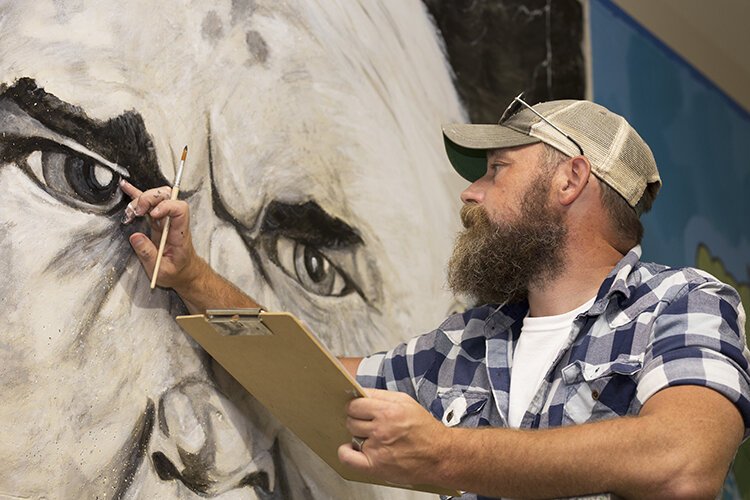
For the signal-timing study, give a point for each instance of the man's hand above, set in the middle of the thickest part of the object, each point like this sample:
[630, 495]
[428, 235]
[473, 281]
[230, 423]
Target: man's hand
[404, 443]
[180, 265]
[199, 286]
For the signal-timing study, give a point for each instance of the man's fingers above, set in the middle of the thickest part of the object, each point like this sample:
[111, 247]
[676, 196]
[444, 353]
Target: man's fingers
[175, 209]
[364, 408]
[178, 212]
[130, 189]
[145, 250]
[143, 201]
[384, 395]
[352, 458]
[371, 406]
[361, 428]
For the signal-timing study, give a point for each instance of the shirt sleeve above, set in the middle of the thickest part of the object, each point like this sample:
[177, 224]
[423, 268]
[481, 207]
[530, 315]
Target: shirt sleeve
[699, 339]
[400, 369]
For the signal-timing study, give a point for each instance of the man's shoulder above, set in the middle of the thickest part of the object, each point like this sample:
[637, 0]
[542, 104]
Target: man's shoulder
[665, 282]
[460, 320]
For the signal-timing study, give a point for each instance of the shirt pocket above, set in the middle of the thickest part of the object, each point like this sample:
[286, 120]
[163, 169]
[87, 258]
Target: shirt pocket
[599, 391]
[460, 408]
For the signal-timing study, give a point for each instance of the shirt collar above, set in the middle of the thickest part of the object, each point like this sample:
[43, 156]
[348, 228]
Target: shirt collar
[621, 280]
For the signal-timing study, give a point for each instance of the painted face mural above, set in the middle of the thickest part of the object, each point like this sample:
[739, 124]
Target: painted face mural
[317, 182]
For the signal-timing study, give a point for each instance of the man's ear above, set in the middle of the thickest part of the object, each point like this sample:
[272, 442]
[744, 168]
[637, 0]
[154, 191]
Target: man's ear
[574, 176]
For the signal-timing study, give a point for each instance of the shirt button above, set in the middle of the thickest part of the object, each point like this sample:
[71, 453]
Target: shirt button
[595, 395]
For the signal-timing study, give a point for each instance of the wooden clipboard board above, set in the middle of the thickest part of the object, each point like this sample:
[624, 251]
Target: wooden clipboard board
[288, 370]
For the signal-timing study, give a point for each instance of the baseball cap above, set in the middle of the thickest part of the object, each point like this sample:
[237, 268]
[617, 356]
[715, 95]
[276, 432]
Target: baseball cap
[618, 155]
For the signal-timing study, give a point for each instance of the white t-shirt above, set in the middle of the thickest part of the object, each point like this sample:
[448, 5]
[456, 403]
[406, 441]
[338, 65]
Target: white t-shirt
[538, 345]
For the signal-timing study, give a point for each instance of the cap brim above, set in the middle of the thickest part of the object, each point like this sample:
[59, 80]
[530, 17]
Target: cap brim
[467, 145]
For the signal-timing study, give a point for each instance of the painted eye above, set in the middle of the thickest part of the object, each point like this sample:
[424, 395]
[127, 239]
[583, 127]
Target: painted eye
[75, 178]
[311, 268]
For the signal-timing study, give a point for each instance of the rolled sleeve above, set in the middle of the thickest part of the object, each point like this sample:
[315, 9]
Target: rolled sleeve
[370, 372]
[699, 339]
[401, 368]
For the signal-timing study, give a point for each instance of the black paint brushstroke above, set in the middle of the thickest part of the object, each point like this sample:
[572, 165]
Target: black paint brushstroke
[108, 250]
[308, 223]
[122, 140]
[90, 249]
[221, 211]
[129, 458]
[498, 48]
[281, 488]
[165, 469]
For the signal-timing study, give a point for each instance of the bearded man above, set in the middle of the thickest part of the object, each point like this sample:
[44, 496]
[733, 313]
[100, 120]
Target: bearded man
[584, 370]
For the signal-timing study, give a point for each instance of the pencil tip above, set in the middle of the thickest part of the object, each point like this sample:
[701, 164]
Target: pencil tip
[184, 153]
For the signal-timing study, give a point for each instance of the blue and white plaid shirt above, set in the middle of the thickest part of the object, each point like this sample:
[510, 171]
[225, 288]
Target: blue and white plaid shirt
[650, 327]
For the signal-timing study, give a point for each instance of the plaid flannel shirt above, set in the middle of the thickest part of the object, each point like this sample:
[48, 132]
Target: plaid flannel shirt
[650, 327]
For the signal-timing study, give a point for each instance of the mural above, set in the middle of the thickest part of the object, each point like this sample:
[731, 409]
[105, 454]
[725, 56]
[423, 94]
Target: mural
[698, 136]
[318, 184]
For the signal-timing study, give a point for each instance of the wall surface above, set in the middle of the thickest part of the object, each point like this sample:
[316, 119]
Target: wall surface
[317, 182]
[699, 134]
[712, 36]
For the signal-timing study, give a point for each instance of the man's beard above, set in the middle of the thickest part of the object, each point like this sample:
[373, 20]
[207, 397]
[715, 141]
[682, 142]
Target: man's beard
[496, 263]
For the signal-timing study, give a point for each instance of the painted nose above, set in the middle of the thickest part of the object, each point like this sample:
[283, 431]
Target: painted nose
[204, 443]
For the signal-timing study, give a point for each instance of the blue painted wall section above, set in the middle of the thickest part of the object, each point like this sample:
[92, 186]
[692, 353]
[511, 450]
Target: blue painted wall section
[700, 138]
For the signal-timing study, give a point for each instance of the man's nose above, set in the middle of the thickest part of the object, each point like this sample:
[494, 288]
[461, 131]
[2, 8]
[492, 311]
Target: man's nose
[474, 193]
[203, 443]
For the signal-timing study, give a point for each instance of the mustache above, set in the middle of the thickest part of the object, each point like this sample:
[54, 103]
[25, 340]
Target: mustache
[473, 215]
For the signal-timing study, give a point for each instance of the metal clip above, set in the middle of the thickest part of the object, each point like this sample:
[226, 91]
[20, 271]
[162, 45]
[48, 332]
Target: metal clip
[237, 322]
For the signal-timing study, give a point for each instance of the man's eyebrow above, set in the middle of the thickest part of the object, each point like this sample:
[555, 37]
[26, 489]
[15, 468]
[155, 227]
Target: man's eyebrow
[122, 140]
[309, 223]
[497, 154]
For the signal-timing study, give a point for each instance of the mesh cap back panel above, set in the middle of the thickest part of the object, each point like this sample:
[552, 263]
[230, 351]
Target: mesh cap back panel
[618, 155]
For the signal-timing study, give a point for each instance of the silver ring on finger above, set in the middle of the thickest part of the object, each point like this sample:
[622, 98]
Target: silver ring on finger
[358, 443]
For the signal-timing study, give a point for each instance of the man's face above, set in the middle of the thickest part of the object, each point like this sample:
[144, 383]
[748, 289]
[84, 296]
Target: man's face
[497, 258]
[315, 173]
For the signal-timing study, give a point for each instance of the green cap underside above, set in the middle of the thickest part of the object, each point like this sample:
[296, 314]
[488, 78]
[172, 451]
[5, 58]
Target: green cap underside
[471, 163]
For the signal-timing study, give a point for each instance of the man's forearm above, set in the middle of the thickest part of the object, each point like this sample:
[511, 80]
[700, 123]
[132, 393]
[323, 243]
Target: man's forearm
[209, 290]
[656, 455]
[539, 464]
[351, 365]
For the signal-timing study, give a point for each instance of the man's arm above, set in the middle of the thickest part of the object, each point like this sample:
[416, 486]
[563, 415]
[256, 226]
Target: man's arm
[351, 365]
[181, 269]
[681, 445]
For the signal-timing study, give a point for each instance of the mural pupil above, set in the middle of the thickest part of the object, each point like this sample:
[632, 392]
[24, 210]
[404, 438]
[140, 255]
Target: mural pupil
[89, 180]
[315, 265]
[314, 271]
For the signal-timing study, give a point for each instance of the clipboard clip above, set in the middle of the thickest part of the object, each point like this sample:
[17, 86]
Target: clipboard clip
[237, 322]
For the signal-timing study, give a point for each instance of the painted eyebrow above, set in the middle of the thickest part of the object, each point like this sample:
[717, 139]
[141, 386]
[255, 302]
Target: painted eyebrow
[309, 223]
[123, 140]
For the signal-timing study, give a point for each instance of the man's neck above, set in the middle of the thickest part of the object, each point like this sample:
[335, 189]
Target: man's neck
[584, 272]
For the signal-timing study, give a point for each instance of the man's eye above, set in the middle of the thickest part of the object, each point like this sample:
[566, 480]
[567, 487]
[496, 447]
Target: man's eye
[74, 178]
[313, 270]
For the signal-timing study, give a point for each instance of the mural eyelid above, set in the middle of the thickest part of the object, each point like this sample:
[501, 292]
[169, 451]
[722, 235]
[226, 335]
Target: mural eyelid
[74, 177]
[310, 266]
[29, 111]
[311, 247]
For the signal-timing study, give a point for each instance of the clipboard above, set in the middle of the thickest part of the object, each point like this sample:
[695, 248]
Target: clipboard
[288, 370]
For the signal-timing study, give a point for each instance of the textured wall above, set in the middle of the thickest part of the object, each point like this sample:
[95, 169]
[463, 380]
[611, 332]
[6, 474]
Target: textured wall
[324, 115]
